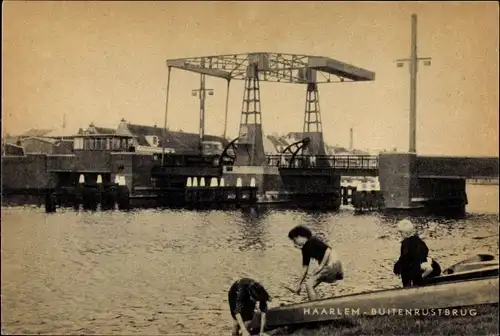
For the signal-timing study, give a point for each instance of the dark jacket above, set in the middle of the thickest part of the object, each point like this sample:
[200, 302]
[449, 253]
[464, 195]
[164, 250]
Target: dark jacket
[414, 252]
[240, 301]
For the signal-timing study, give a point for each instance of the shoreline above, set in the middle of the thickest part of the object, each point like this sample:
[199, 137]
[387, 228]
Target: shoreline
[483, 182]
[482, 322]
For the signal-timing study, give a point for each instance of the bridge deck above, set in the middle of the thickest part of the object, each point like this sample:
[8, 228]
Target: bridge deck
[457, 167]
[367, 165]
[346, 165]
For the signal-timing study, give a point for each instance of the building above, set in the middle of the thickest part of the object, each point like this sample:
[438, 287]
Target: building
[38, 145]
[151, 139]
[34, 132]
[45, 141]
[16, 139]
[95, 130]
[9, 149]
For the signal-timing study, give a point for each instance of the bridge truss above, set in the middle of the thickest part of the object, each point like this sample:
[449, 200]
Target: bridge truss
[274, 67]
[269, 67]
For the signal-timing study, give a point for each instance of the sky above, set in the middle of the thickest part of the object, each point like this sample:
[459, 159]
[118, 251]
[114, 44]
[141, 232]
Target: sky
[103, 61]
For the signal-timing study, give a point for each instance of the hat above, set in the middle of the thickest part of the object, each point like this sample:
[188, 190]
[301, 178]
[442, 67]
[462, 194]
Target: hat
[406, 227]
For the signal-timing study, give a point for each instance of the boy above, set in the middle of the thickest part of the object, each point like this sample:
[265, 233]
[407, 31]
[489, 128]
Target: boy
[414, 263]
[330, 267]
[243, 296]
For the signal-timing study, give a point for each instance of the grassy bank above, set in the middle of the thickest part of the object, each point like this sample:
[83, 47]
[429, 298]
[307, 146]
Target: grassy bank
[483, 323]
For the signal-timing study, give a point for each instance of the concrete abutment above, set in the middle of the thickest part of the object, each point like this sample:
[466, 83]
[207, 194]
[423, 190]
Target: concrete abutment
[403, 189]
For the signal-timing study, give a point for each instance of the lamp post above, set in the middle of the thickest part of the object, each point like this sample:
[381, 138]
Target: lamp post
[201, 93]
[413, 60]
[165, 117]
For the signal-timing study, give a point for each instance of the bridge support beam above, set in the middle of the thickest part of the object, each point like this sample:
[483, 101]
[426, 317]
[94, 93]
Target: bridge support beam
[250, 145]
[403, 189]
[313, 128]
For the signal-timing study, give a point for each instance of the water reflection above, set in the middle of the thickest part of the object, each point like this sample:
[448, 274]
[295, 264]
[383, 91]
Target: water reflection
[320, 224]
[316, 219]
[252, 226]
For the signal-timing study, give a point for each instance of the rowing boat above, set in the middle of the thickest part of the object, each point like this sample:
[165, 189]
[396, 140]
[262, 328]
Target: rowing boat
[478, 259]
[473, 281]
[478, 266]
[468, 274]
[415, 299]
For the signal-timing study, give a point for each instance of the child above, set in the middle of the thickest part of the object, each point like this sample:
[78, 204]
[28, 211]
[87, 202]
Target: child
[243, 296]
[330, 267]
[414, 263]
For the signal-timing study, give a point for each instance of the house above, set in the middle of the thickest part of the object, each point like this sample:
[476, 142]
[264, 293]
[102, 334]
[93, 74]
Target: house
[34, 132]
[151, 139]
[60, 134]
[102, 138]
[9, 149]
[42, 141]
[45, 145]
[92, 129]
[45, 133]
[64, 140]
[38, 145]
[16, 139]
[148, 139]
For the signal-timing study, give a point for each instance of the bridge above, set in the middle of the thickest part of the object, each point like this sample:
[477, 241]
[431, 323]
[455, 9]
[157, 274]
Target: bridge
[406, 179]
[410, 181]
[256, 67]
[426, 167]
[475, 168]
[345, 165]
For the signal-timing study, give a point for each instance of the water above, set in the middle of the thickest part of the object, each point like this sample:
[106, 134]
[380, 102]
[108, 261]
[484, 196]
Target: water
[165, 272]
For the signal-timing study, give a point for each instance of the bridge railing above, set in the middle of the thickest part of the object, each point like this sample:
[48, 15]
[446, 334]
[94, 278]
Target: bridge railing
[347, 162]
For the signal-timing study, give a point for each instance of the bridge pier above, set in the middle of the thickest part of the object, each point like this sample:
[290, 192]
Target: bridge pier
[403, 188]
[398, 183]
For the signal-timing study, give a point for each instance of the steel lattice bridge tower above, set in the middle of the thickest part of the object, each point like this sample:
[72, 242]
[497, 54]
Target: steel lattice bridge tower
[257, 67]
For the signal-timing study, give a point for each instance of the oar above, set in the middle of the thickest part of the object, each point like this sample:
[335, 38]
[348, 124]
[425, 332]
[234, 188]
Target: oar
[289, 288]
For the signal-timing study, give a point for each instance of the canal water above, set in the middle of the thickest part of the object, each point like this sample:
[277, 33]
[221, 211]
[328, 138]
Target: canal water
[153, 272]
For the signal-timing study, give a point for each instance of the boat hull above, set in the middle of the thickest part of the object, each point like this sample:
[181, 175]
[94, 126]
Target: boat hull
[440, 296]
[475, 271]
[465, 264]
[477, 266]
